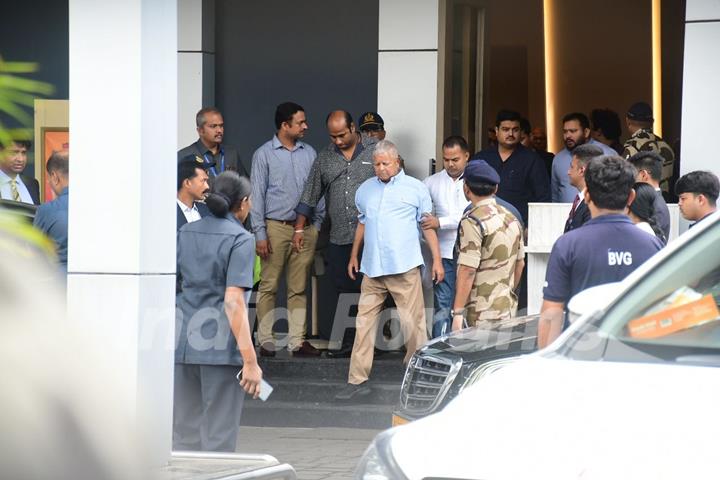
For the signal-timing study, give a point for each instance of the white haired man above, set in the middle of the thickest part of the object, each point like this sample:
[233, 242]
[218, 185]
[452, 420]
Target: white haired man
[391, 206]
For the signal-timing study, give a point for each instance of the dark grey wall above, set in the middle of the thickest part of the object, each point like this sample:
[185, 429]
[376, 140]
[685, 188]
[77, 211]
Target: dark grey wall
[322, 55]
[37, 31]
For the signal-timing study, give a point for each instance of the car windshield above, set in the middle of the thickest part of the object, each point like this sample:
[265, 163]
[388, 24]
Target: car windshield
[670, 315]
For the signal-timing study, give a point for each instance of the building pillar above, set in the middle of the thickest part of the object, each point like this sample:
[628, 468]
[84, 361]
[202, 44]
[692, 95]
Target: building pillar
[121, 266]
[700, 99]
[196, 64]
[408, 79]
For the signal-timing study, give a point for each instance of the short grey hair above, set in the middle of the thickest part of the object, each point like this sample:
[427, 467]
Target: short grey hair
[388, 147]
[200, 115]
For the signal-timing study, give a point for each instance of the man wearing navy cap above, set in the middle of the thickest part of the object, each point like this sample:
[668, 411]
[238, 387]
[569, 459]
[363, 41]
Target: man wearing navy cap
[490, 253]
[372, 125]
[639, 121]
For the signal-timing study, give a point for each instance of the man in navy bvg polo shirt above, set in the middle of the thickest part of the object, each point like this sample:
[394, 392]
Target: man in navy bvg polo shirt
[605, 250]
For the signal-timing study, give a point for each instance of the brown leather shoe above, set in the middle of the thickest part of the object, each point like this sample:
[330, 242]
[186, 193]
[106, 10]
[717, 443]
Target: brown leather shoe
[267, 350]
[306, 350]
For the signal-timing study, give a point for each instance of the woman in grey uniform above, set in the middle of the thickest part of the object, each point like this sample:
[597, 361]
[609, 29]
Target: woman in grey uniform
[215, 258]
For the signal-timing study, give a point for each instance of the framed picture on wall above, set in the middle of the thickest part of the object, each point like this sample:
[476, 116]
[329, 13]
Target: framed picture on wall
[52, 120]
[52, 138]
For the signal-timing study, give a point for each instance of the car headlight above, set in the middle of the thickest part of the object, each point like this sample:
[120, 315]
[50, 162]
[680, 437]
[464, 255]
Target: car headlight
[484, 369]
[378, 463]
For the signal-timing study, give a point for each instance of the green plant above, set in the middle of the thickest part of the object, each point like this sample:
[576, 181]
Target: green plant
[17, 94]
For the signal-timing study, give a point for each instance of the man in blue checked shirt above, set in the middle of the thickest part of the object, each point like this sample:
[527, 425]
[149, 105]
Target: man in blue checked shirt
[280, 169]
[391, 206]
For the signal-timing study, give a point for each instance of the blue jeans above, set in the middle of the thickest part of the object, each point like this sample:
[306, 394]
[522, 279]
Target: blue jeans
[444, 295]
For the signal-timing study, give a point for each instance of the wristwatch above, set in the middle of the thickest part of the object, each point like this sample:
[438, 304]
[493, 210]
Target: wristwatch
[457, 313]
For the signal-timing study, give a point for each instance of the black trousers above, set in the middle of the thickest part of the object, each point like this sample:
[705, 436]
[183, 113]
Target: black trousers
[338, 257]
[347, 292]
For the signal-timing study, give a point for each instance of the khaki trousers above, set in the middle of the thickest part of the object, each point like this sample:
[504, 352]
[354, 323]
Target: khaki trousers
[298, 266]
[406, 289]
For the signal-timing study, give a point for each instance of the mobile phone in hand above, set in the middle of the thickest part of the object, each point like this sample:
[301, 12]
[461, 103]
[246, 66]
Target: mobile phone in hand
[265, 388]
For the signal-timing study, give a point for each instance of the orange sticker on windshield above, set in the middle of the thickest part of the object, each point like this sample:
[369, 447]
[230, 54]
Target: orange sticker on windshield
[674, 319]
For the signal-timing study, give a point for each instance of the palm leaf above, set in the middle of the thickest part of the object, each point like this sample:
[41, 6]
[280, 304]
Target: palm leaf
[13, 111]
[18, 67]
[12, 82]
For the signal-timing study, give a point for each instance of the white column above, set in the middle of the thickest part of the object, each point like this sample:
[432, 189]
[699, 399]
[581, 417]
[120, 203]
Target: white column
[121, 281]
[700, 100]
[196, 64]
[408, 78]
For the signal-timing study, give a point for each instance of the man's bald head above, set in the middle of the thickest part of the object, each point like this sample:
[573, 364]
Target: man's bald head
[59, 162]
[58, 169]
[342, 129]
[340, 119]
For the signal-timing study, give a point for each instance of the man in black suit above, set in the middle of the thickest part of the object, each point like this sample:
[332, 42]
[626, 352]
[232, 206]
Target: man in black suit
[13, 185]
[209, 147]
[579, 213]
[192, 186]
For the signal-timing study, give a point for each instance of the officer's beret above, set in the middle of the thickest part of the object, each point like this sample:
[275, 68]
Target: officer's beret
[640, 111]
[196, 161]
[478, 171]
[371, 121]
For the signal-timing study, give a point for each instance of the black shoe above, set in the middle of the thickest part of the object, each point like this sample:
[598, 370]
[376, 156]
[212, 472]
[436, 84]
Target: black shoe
[387, 331]
[351, 392]
[306, 350]
[267, 350]
[344, 352]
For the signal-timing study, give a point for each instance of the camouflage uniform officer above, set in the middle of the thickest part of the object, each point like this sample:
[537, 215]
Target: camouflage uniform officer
[491, 255]
[639, 121]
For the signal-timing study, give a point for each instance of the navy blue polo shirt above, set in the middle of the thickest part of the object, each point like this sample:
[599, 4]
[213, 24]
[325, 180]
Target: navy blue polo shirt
[606, 249]
[523, 177]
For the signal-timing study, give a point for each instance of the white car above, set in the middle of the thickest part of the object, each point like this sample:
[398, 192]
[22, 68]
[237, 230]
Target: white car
[631, 390]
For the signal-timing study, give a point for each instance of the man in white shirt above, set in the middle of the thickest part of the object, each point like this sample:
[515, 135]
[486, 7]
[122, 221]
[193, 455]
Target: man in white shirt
[192, 188]
[13, 185]
[449, 202]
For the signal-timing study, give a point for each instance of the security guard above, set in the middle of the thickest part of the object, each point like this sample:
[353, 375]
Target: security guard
[215, 262]
[490, 253]
[639, 120]
[372, 125]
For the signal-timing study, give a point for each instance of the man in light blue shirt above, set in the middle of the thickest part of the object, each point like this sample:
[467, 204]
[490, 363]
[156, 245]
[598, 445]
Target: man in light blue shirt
[280, 168]
[391, 206]
[52, 218]
[576, 132]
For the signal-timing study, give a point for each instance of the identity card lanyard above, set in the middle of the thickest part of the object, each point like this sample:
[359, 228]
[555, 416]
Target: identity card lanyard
[222, 162]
